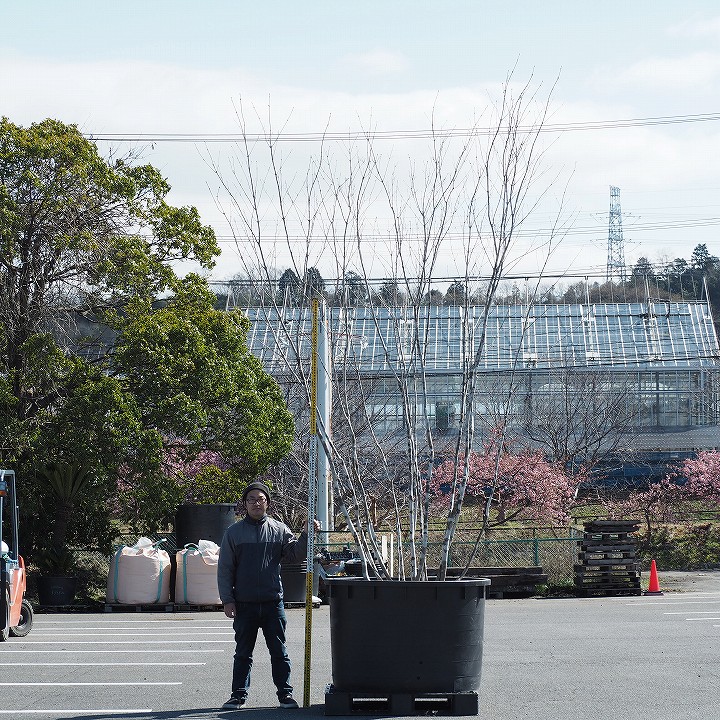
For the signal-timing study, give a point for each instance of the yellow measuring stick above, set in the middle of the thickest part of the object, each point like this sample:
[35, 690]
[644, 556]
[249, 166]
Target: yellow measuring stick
[312, 485]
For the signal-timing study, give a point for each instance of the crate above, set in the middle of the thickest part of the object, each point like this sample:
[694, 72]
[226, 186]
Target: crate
[187, 607]
[505, 581]
[338, 702]
[155, 607]
[607, 560]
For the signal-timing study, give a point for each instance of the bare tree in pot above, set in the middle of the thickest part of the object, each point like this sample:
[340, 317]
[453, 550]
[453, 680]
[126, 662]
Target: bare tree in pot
[404, 393]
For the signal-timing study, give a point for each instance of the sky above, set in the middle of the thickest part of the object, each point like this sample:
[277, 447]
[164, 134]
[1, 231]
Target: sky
[121, 70]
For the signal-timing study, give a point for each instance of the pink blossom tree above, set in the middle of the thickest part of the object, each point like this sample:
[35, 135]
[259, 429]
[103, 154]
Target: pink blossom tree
[670, 500]
[520, 486]
[703, 476]
[662, 501]
[206, 476]
[148, 502]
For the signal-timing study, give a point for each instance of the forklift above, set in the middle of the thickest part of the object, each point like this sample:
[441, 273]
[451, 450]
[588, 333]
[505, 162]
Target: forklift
[16, 613]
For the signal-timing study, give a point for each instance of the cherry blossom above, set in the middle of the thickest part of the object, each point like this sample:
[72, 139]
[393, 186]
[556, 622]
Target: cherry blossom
[520, 486]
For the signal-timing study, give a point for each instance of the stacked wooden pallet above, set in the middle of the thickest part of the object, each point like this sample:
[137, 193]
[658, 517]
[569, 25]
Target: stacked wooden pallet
[506, 582]
[167, 607]
[607, 561]
[400, 703]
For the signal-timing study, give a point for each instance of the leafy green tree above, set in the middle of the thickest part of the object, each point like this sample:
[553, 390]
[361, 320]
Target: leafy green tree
[289, 288]
[643, 268]
[389, 295]
[456, 294]
[350, 291]
[675, 273]
[702, 260]
[313, 284]
[705, 272]
[94, 371]
[433, 297]
[67, 484]
[193, 377]
[354, 286]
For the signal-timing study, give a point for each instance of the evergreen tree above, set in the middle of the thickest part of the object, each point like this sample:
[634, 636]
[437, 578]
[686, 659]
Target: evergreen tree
[289, 288]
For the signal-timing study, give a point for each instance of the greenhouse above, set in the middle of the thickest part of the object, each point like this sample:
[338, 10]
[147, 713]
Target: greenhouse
[645, 376]
[668, 352]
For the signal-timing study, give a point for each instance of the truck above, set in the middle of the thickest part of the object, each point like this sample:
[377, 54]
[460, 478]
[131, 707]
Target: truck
[16, 612]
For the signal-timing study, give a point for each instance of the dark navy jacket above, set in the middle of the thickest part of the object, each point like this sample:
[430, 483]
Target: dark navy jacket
[250, 555]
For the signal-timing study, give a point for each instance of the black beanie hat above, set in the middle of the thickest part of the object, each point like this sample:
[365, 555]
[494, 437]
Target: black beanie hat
[260, 487]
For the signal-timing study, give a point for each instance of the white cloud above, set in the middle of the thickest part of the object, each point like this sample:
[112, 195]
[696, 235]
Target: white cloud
[666, 74]
[379, 62]
[107, 97]
[104, 97]
[696, 27]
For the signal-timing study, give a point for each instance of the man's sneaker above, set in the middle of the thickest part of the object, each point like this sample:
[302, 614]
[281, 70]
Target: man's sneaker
[234, 703]
[288, 701]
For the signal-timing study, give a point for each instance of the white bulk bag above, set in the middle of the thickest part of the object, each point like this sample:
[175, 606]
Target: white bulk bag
[139, 574]
[196, 575]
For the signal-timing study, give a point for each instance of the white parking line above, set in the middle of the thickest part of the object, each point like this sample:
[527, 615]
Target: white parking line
[84, 684]
[659, 602]
[46, 630]
[135, 652]
[110, 633]
[120, 642]
[44, 620]
[103, 664]
[55, 711]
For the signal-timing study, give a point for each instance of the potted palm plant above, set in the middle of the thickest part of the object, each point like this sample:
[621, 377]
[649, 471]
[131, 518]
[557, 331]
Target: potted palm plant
[54, 560]
[56, 581]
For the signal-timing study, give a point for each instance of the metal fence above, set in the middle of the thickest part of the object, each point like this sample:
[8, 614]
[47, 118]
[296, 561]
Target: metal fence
[556, 556]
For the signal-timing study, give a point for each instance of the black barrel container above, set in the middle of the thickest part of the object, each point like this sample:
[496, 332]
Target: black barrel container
[56, 591]
[294, 581]
[202, 522]
[395, 636]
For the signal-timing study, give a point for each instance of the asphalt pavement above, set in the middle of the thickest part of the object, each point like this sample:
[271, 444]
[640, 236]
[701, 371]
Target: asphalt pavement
[644, 657]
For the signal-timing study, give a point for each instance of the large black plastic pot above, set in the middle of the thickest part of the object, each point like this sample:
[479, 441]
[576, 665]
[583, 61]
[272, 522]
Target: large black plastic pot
[294, 582]
[202, 522]
[394, 636]
[56, 591]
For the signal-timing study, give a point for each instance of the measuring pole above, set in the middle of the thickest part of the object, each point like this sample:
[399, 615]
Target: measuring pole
[324, 403]
[312, 485]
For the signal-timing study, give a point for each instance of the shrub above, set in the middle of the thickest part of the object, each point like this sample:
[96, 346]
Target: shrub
[683, 547]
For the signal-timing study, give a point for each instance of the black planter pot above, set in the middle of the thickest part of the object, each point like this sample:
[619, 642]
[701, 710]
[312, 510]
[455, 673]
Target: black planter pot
[202, 522]
[394, 636]
[56, 591]
[294, 582]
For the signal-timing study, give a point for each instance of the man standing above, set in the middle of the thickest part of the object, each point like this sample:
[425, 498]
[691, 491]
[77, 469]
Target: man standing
[251, 591]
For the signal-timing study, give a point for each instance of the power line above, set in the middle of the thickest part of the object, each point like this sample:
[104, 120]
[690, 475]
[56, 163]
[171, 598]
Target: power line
[596, 273]
[364, 238]
[366, 135]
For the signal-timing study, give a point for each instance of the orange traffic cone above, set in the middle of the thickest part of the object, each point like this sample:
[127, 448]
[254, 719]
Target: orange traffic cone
[653, 585]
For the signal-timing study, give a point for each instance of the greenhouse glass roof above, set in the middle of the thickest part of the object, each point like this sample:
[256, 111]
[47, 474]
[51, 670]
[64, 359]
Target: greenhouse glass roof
[374, 340]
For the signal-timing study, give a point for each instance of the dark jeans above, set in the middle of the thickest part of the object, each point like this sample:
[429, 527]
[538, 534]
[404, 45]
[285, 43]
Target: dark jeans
[249, 618]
